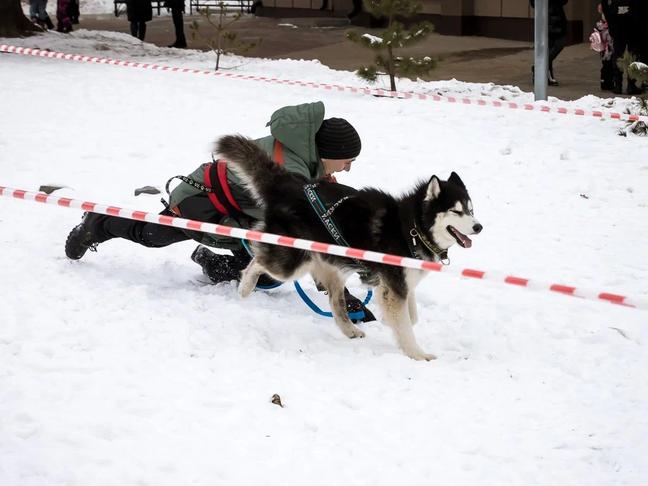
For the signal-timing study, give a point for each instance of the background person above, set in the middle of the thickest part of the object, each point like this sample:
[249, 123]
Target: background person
[177, 8]
[38, 14]
[63, 18]
[557, 33]
[138, 13]
[624, 20]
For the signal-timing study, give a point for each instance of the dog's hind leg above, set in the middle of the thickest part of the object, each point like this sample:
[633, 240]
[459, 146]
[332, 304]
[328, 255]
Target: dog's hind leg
[329, 277]
[249, 277]
[396, 313]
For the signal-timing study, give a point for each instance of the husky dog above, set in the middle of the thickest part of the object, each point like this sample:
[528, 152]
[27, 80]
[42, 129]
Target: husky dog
[422, 224]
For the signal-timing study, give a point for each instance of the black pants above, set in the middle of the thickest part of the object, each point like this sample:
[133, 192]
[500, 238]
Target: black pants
[176, 15]
[607, 74]
[624, 37]
[556, 45]
[138, 29]
[146, 234]
[357, 8]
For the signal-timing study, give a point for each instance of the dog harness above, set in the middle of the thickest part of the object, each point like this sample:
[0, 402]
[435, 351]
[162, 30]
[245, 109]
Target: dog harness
[325, 214]
[217, 187]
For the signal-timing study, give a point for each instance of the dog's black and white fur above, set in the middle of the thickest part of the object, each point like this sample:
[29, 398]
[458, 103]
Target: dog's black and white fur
[369, 219]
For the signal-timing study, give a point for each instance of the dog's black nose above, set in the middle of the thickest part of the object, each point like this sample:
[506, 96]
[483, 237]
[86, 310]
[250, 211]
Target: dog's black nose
[477, 228]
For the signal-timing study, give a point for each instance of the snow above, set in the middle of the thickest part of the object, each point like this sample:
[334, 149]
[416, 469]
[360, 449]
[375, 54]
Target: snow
[128, 368]
[373, 40]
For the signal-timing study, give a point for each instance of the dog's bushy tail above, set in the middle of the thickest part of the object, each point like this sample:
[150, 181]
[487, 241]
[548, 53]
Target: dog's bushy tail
[251, 164]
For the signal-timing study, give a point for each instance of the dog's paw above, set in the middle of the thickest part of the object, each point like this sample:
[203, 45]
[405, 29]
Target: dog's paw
[353, 332]
[422, 356]
[245, 289]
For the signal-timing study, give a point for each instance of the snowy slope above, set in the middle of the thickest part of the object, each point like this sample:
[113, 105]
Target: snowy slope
[128, 368]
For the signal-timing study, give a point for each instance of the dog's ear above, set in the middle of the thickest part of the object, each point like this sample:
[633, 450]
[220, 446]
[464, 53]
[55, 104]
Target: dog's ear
[455, 179]
[433, 189]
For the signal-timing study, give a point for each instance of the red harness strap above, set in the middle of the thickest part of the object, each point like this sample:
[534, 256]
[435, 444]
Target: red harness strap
[222, 178]
[216, 180]
[212, 197]
[278, 153]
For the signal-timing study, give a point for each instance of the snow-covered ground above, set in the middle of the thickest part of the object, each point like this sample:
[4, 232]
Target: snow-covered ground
[128, 368]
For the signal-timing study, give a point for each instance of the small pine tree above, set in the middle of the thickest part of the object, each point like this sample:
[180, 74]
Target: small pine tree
[395, 36]
[639, 72]
[218, 38]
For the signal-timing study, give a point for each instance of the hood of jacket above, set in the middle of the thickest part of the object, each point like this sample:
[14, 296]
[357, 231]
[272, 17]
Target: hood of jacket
[295, 127]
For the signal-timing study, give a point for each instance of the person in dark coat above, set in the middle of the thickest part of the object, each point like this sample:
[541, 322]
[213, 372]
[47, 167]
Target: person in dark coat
[138, 13]
[557, 33]
[177, 8]
[624, 18]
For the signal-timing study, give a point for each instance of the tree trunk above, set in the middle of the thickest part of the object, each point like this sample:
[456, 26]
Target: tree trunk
[13, 22]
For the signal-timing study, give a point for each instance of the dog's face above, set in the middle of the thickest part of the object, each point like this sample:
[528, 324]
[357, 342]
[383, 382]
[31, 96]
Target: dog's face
[448, 212]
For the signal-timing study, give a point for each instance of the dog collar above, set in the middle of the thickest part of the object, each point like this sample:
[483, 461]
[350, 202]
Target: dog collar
[441, 254]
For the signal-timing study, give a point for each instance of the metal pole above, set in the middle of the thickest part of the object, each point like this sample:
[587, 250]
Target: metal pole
[541, 49]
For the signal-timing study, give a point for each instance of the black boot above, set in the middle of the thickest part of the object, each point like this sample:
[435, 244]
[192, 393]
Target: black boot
[225, 268]
[550, 79]
[85, 236]
[355, 306]
[219, 268]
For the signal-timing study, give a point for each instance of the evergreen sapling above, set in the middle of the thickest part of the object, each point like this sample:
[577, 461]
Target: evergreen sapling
[638, 72]
[395, 36]
[218, 37]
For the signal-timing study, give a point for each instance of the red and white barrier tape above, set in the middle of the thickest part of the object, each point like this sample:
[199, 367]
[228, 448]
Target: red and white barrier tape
[28, 51]
[321, 247]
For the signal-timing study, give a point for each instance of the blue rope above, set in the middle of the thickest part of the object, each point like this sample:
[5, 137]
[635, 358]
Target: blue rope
[356, 316]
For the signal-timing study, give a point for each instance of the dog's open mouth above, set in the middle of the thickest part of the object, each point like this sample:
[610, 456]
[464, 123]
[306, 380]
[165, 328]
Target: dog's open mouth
[462, 239]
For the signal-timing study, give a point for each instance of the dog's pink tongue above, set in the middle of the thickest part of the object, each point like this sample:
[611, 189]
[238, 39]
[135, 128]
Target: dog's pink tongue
[465, 241]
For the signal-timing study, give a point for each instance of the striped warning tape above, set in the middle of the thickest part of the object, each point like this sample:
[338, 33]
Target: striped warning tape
[355, 253]
[512, 105]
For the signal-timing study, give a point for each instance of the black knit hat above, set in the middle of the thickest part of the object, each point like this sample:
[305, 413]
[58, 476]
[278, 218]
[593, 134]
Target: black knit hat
[337, 139]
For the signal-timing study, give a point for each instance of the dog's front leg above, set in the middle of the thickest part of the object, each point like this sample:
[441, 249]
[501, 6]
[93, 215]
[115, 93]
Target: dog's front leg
[411, 306]
[396, 313]
[249, 278]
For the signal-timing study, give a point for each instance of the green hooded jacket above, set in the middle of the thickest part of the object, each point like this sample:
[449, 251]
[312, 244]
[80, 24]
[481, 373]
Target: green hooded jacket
[295, 128]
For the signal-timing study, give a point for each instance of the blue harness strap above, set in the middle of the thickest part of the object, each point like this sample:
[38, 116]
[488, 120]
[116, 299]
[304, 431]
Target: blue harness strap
[356, 316]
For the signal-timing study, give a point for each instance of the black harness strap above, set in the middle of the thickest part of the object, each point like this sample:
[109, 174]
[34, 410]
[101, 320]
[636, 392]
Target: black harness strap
[214, 177]
[325, 215]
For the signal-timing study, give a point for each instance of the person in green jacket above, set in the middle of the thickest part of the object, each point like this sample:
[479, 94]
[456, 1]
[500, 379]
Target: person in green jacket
[300, 139]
